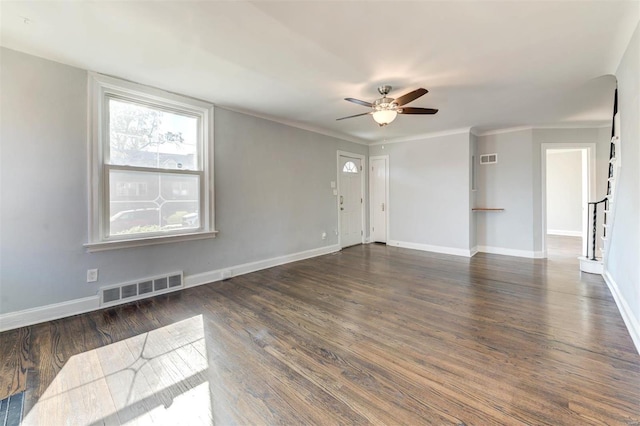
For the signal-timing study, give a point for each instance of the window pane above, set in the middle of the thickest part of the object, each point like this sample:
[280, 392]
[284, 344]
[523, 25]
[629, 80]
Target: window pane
[144, 136]
[349, 167]
[145, 202]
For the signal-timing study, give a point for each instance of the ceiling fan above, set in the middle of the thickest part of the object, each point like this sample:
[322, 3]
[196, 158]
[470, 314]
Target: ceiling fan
[385, 110]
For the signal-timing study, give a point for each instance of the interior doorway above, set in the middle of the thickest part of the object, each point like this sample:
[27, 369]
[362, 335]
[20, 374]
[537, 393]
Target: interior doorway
[379, 198]
[351, 168]
[567, 187]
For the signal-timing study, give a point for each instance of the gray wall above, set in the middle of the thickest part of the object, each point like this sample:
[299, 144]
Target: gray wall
[564, 191]
[623, 262]
[507, 184]
[272, 189]
[515, 183]
[429, 190]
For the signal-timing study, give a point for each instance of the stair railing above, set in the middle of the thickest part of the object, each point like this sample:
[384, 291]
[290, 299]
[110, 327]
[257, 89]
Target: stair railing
[594, 225]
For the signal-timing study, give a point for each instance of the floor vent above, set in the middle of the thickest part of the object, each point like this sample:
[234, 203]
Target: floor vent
[141, 289]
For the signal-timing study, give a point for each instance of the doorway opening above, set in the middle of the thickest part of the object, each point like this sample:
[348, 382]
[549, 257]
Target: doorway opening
[379, 198]
[567, 187]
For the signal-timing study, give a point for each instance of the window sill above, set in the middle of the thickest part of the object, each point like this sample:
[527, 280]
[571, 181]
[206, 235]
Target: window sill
[149, 241]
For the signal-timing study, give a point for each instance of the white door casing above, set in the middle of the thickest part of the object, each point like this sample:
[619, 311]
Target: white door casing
[379, 197]
[350, 199]
[590, 149]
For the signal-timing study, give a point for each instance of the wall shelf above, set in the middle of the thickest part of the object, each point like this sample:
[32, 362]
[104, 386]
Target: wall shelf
[487, 209]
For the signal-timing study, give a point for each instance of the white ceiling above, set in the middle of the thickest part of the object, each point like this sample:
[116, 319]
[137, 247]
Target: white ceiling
[487, 64]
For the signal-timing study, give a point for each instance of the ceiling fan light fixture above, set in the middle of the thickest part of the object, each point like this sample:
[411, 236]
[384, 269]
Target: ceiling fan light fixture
[385, 110]
[384, 116]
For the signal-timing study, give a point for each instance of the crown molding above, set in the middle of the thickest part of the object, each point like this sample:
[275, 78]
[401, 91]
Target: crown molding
[297, 125]
[598, 125]
[500, 131]
[423, 136]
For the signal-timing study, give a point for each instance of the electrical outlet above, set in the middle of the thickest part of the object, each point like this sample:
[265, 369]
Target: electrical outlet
[324, 235]
[92, 275]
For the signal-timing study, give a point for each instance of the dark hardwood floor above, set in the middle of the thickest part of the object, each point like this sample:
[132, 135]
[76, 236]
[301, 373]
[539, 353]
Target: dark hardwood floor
[372, 334]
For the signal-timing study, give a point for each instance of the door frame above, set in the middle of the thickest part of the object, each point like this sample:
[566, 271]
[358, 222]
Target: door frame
[363, 163]
[386, 196]
[590, 149]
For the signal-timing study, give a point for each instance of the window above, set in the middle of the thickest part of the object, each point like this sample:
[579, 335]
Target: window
[151, 166]
[349, 167]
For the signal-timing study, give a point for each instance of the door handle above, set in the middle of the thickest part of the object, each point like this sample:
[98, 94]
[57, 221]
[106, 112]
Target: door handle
[341, 208]
[382, 206]
[341, 200]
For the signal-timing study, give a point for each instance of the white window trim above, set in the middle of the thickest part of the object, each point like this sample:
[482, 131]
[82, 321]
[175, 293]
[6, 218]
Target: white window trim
[100, 86]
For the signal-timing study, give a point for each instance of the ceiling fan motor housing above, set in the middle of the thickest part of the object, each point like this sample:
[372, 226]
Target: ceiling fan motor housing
[384, 90]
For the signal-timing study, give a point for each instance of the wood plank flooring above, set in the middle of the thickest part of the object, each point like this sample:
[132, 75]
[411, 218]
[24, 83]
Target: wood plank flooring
[372, 334]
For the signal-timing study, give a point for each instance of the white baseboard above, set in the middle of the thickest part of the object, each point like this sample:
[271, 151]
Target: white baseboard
[632, 323]
[426, 247]
[474, 251]
[48, 313]
[564, 233]
[512, 252]
[55, 311]
[245, 268]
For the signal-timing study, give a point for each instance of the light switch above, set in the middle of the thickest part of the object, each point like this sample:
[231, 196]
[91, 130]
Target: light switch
[333, 183]
[335, 192]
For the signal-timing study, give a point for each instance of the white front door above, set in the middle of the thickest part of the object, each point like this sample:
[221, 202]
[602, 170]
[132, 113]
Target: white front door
[350, 201]
[378, 199]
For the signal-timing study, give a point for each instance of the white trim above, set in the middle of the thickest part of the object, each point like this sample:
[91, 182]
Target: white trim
[632, 323]
[423, 136]
[48, 313]
[138, 242]
[427, 247]
[596, 125]
[364, 170]
[100, 88]
[564, 233]
[386, 200]
[246, 268]
[500, 131]
[600, 124]
[56, 311]
[473, 251]
[512, 252]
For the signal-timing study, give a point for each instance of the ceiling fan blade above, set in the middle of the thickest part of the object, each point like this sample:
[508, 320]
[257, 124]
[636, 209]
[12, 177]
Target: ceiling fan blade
[409, 110]
[359, 102]
[405, 99]
[351, 116]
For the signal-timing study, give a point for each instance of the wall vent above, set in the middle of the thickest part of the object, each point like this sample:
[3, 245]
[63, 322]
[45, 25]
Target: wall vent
[140, 289]
[488, 158]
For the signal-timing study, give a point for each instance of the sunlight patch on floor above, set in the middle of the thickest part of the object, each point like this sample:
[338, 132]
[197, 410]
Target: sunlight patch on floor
[159, 377]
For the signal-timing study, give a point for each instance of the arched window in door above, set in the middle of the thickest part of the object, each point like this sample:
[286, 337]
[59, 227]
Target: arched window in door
[349, 167]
